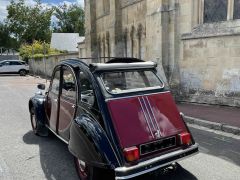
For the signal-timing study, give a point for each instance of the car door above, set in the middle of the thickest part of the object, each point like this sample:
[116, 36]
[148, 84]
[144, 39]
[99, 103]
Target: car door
[52, 100]
[15, 66]
[68, 100]
[4, 68]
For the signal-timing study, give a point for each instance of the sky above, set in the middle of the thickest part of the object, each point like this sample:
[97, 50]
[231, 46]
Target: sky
[4, 3]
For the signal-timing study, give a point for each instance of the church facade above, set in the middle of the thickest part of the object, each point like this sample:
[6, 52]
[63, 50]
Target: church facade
[196, 43]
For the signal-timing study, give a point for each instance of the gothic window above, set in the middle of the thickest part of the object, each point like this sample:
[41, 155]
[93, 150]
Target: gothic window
[236, 12]
[215, 10]
[132, 40]
[125, 37]
[106, 6]
[99, 46]
[108, 44]
[139, 34]
[103, 49]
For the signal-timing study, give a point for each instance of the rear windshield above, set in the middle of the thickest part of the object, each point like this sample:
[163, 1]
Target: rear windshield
[130, 81]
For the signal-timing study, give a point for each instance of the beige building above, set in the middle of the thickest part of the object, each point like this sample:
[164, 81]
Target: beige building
[196, 43]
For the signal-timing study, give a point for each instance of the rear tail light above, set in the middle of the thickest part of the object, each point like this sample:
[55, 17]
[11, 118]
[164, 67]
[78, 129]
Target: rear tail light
[185, 138]
[131, 154]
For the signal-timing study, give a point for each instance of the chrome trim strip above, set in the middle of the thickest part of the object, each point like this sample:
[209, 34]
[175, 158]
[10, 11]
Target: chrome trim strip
[145, 117]
[125, 97]
[154, 127]
[151, 161]
[57, 135]
[154, 117]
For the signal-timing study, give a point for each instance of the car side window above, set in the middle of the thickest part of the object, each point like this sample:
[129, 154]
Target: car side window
[56, 82]
[69, 85]
[86, 89]
[6, 63]
[15, 63]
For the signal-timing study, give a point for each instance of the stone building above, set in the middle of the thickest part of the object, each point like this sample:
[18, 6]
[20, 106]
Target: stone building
[196, 43]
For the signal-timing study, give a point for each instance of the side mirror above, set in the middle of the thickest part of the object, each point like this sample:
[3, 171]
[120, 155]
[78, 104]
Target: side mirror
[41, 86]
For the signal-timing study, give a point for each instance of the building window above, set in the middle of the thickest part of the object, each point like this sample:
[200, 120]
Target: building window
[236, 12]
[108, 45]
[215, 10]
[103, 49]
[132, 40]
[125, 37]
[139, 34]
[99, 47]
[106, 6]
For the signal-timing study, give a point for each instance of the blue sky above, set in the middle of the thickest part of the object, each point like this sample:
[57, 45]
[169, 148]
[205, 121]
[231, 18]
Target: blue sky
[4, 3]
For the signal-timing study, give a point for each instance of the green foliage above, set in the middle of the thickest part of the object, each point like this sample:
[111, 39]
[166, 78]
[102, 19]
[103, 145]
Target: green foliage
[6, 40]
[70, 19]
[29, 23]
[36, 50]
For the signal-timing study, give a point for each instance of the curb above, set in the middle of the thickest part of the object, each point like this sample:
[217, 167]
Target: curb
[212, 125]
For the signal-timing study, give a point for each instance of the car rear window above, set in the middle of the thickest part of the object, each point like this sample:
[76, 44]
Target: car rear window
[130, 81]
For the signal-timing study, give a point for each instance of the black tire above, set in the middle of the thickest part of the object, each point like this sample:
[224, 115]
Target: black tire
[87, 172]
[23, 72]
[33, 121]
[38, 128]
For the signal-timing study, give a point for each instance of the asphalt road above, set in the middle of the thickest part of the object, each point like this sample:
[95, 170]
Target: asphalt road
[26, 156]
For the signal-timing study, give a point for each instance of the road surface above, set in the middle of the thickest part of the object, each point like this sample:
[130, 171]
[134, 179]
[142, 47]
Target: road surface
[26, 156]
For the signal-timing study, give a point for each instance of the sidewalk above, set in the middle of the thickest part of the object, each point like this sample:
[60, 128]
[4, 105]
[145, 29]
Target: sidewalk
[212, 116]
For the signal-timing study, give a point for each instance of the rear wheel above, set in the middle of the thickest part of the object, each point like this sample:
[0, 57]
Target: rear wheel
[87, 172]
[22, 72]
[33, 121]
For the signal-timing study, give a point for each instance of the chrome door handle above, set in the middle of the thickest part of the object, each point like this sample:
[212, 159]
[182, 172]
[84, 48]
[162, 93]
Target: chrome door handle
[73, 106]
[55, 100]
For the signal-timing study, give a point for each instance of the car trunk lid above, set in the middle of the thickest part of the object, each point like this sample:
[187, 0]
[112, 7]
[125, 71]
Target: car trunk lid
[142, 119]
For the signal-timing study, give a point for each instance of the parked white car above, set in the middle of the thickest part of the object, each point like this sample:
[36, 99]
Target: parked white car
[14, 66]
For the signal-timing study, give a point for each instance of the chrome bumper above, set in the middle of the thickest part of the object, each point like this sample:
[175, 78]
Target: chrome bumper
[155, 163]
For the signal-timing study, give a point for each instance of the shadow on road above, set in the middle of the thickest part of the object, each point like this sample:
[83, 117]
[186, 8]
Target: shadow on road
[179, 174]
[56, 161]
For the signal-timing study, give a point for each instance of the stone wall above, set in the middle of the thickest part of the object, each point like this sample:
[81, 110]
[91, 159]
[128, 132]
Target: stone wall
[210, 70]
[199, 61]
[38, 66]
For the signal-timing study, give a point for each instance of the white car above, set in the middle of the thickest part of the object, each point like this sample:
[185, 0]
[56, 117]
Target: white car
[14, 66]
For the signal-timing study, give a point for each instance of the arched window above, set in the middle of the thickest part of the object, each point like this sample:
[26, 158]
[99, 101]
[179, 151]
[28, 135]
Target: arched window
[132, 40]
[99, 46]
[139, 35]
[106, 6]
[108, 45]
[125, 38]
[104, 48]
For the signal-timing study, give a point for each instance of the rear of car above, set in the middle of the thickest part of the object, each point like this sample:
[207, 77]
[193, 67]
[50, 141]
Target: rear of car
[149, 128]
[14, 66]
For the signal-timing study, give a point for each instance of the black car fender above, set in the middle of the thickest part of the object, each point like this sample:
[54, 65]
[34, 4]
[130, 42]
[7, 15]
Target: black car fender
[37, 103]
[89, 142]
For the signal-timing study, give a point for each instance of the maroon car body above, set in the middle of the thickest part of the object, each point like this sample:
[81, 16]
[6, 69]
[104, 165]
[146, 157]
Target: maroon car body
[114, 116]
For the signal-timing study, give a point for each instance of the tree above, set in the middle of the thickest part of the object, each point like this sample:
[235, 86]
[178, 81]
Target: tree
[37, 50]
[6, 40]
[70, 19]
[29, 23]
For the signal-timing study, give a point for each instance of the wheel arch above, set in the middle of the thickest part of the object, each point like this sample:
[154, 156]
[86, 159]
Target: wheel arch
[38, 104]
[97, 150]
